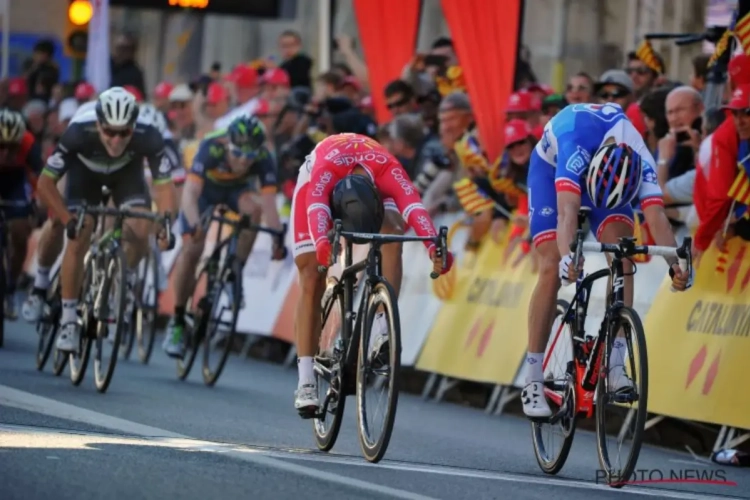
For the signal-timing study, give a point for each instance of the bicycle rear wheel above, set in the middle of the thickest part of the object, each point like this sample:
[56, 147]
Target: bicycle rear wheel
[110, 329]
[196, 321]
[50, 322]
[3, 287]
[148, 308]
[79, 360]
[328, 369]
[612, 407]
[224, 300]
[372, 374]
[559, 374]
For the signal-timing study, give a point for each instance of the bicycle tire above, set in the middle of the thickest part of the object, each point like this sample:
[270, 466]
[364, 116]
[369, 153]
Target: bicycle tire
[145, 320]
[116, 276]
[128, 338]
[59, 361]
[48, 327]
[231, 272]
[78, 368]
[3, 287]
[194, 332]
[332, 303]
[616, 477]
[382, 294]
[547, 464]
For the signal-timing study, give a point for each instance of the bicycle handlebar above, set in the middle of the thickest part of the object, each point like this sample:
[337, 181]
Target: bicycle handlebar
[243, 223]
[440, 241]
[165, 220]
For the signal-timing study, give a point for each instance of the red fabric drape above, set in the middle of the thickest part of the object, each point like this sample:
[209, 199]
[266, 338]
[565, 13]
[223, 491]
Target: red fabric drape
[485, 36]
[388, 32]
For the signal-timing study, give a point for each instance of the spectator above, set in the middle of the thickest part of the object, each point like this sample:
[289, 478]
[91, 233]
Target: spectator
[421, 71]
[42, 73]
[400, 98]
[579, 88]
[275, 88]
[540, 90]
[615, 86]
[524, 106]
[429, 105]
[644, 75]
[125, 71]
[246, 92]
[353, 65]
[18, 94]
[296, 64]
[342, 69]
[653, 109]
[161, 96]
[351, 88]
[35, 112]
[551, 105]
[700, 72]
[180, 104]
[329, 85]
[215, 71]
[84, 92]
[456, 118]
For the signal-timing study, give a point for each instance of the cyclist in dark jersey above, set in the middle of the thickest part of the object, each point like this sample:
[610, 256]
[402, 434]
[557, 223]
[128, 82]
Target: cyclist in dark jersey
[20, 164]
[231, 168]
[104, 147]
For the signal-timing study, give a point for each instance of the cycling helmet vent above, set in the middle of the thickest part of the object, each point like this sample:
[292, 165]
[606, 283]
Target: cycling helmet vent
[12, 126]
[247, 132]
[117, 107]
[614, 176]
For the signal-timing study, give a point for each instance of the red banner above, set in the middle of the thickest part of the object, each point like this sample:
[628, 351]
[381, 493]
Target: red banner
[388, 32]
[485, 36]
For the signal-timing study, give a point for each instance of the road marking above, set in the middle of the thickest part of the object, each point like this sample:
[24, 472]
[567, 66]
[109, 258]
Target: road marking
[284, 460]
[38, 404]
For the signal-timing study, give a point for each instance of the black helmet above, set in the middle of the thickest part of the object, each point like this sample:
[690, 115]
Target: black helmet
[357, 203]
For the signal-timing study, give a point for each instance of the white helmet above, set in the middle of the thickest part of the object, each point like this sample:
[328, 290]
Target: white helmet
[12, 126]
[116, 107]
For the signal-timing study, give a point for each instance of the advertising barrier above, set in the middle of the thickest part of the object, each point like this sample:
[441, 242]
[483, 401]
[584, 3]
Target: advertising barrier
[699, 342]
[480, 332]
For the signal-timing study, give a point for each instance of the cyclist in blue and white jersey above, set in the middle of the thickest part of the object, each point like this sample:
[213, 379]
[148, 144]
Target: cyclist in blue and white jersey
[590, 155]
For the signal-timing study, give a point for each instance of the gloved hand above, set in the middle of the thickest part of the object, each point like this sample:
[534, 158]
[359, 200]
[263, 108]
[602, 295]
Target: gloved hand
[437, 262]
[323, 252]
[568, 274]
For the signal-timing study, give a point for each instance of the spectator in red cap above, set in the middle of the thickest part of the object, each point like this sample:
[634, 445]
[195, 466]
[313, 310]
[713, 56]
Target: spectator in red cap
[246, 90]
[84, 92]
[18, 94]
[161, 96]
[217, 100]
[136, 93]
[524, 105]
[540, 90]
[275, 86]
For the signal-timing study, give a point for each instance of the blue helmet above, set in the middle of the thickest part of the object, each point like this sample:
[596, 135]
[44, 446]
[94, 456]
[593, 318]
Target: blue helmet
[614, 176]
[246, 133]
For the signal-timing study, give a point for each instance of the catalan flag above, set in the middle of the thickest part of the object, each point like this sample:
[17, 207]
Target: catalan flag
[472, 199]
[645, 53]
[721, 47]
[742, 32]
[740, 191]
[642, 237]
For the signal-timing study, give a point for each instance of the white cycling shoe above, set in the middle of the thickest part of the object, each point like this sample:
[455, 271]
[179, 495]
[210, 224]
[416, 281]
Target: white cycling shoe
[618, 380]
[31, 309]
[69, 338]
[306, 398]
[534, 403]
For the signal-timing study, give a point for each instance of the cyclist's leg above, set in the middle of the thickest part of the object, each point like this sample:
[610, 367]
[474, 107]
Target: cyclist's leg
[51, 240]
[312, 285]
[82, 185]
[16, 190]
[543, 226]
[245, 202]
[129, 190]
[609, 226]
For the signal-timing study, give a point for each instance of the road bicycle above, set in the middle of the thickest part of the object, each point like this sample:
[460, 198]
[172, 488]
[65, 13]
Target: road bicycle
[142, 323]
[345, 361]
[206, 317]
[580, 385]
[105, 271]
[48, 327]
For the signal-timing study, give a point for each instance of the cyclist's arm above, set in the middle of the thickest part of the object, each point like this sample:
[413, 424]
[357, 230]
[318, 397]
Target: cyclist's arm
[652, 205]
[269, 187]
[394, 182]
[572, 162]
[34, 163]
[161, 171]
[319, 190]
[193, 187]
[57, 165]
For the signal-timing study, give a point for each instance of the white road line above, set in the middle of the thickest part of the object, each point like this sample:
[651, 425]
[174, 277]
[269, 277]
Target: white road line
[280, 459]
[31, 402]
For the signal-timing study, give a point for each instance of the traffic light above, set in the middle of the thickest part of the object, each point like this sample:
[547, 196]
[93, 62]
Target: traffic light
[80, 13]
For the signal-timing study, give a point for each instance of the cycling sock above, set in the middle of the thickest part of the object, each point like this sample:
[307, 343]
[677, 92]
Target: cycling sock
[179, 315]
[534, 372]
[617, 356]
[41, 281]
[305, 370]
[69, 314]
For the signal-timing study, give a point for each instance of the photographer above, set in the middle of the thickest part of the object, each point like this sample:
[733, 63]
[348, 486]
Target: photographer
[678, 149]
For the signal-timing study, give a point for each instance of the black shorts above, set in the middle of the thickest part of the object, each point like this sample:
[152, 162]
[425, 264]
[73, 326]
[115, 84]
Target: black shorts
[127, 186]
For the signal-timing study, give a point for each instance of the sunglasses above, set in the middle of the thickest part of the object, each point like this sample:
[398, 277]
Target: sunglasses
[741, 112]
[637, 71]
[117, 133]
[617, 94]
[245, 153]
[397, 104]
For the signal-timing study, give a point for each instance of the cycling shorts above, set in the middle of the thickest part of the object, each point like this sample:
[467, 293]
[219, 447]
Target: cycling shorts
[216, 194]
[127, 186]
[15, 188]
[303, 243]
[543, 204]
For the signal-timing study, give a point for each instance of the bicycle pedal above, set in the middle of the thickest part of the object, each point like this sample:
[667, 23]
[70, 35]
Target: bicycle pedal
[309, 413]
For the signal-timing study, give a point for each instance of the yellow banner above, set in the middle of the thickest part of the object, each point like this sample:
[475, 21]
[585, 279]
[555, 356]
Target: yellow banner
[480, 332]
[698, 344]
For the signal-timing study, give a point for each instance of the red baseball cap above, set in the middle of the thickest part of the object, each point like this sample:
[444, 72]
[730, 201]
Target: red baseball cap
[84, 91]
[739, 69]
[262, 108]
[244, 76]
[523, 102]
[276, 76]
[162, 90]
[216, 93]
[740, 98]
[350, 80]
[136, 93]
[17, 87]
[516, 131]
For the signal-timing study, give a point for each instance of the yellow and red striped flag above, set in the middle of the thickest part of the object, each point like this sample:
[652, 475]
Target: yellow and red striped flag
[472, 199]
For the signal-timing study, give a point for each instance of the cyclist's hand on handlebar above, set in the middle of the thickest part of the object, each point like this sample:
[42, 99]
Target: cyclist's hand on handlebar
[324, 252]
[279, 251]
[71, 228]
[680, 278]
[195, 234]
[437, 262]
[568, 273]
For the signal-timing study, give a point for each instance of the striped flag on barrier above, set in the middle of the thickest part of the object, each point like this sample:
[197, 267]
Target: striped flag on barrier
[472, 199]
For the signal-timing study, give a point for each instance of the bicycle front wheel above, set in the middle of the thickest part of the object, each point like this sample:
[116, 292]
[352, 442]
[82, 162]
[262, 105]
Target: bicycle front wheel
[224, 299]
[110, 327]
[148, 307]
[49, 324]
[378, 367]
[621, 403]
[79, 360]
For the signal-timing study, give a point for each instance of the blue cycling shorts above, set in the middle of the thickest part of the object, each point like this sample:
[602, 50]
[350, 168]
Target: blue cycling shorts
[543, 204]
[16, 189]
[215, 194]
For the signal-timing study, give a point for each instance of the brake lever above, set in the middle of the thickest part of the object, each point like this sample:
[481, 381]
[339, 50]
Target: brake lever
[167, 221]
[441, 250]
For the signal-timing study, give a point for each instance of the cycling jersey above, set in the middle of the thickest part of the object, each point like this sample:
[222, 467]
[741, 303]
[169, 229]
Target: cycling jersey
[333, 159]
[561, 159]
[210, 164]
[18, 174]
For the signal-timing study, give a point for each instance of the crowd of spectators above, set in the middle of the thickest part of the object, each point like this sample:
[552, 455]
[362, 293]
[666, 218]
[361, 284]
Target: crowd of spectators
[432, 128]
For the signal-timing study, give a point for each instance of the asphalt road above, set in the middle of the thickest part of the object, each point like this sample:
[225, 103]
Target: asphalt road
[153, 437]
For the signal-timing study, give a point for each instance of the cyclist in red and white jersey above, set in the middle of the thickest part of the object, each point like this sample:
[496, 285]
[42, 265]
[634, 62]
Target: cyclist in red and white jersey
[332, 160]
